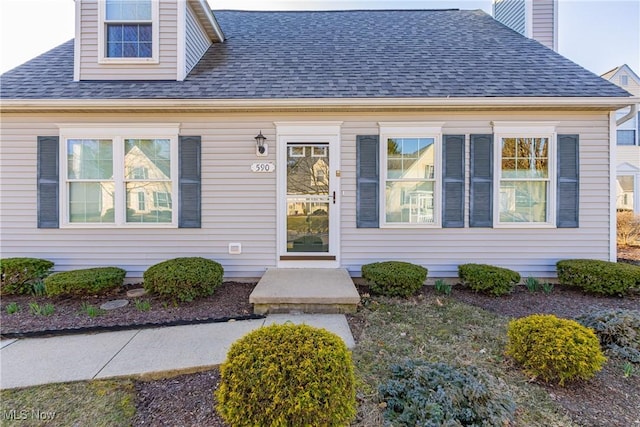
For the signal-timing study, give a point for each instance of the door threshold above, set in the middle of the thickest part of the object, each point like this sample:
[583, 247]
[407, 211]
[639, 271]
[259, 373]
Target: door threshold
[307, 257]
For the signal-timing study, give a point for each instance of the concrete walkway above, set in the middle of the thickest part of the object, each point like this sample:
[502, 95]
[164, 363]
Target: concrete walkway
[34, 361]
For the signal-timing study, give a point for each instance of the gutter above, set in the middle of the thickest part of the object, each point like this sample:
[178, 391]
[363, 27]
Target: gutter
[315, 104]
[632, 113]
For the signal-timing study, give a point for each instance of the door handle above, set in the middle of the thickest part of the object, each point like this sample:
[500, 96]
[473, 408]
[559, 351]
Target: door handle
[334, 197]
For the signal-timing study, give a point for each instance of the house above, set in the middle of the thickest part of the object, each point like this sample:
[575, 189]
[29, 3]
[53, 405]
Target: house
[437, 137]
[536, 19]
[627, 141]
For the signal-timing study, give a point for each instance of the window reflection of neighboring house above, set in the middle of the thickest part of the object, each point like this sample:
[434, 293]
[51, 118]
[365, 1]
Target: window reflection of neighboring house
[147, 196]
[418, 203]
[313, 179]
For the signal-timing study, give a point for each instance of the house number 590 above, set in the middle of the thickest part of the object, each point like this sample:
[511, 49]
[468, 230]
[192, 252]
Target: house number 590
[263, 167]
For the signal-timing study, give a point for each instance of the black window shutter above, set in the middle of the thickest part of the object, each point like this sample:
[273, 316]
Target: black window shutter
[48, 182]
[189, 205]
[367, 181]
[453, 181]
[568, 182]
[481, 192]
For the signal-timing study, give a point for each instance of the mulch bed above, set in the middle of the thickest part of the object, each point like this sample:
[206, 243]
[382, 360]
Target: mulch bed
[231, 299]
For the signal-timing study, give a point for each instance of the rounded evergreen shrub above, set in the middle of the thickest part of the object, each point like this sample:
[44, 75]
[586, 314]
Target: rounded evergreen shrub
[488, 279]
[287, 375]
[554, 349]
[18, 275]
[90, 281]
[184, 279]
[394, 278]
[618, 331]
[436, 394]
[599, 277]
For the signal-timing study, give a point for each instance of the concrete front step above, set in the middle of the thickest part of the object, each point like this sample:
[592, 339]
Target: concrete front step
[305, 290]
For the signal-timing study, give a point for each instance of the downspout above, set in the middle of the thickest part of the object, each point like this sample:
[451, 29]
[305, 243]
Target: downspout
[632, 113]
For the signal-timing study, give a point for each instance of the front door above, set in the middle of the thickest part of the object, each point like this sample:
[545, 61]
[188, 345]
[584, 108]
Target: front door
[309, 204]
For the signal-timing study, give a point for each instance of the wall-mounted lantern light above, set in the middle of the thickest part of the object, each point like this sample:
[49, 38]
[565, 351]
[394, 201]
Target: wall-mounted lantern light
[262, 149]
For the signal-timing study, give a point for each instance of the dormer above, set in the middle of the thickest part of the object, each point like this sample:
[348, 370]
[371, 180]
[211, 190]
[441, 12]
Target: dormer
[141, 39]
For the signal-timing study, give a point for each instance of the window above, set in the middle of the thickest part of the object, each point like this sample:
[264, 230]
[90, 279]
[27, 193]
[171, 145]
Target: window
[129, 30]
[524, 180]
[410, 184]
[90, 179]
[525, 174]
[152, 157]
[626, 137]
[624, 80]
[111, 180]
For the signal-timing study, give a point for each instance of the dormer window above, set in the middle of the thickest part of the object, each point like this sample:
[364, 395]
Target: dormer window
[624, 80]
[129, 31]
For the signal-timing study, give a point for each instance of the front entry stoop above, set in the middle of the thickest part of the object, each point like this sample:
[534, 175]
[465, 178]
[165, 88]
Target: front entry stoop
[306, 290]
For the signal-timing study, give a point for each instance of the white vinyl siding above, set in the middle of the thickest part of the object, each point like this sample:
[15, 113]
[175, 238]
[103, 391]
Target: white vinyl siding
[544, 25]
[240, 206]
[511, 13]
[197, 41]
[536, 19]
[90, 67]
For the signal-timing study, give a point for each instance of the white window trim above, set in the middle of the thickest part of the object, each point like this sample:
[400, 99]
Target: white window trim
[525, 130]
[117, 132]
[411, 130]
[155, 37]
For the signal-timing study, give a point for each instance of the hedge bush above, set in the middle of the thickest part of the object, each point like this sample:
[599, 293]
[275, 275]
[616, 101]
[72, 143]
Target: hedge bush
[488, 279]
[618, 331]
[287, 375]
[599, 277]
[394, 278]
[554, 349]
[436, 394]
[184, 278]
[18, 275]
[90, 281]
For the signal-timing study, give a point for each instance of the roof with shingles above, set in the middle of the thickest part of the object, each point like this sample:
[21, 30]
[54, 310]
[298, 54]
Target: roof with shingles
[339, 54]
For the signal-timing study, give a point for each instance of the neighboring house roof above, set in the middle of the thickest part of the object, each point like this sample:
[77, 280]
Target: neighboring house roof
[341, 54]
[625, 70]
[611, 73]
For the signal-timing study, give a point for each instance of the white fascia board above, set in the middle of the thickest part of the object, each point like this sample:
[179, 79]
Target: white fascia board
[211, 24]
[603, 103]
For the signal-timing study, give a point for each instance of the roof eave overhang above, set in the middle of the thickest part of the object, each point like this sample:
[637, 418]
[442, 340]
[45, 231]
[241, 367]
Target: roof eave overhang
[314, 104]
[207, 19]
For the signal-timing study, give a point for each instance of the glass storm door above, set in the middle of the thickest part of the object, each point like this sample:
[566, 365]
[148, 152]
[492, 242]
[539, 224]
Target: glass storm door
[309, 199]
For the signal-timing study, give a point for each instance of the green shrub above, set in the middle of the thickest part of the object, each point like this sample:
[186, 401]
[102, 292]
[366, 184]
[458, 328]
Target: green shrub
[184, 278]
[90, 281]
[287, 375]
[599, 277]
[488, 279]
[554, 349]
[436, 394]
[394, 278]
[19, 275]
[618, 331]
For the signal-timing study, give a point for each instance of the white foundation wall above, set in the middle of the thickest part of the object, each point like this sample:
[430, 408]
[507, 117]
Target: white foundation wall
[239, 206]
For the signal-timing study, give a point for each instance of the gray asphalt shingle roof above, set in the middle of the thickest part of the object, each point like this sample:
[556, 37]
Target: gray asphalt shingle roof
[342, 54]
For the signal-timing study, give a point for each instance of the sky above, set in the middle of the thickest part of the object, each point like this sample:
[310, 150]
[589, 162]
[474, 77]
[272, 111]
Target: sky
[596, 34]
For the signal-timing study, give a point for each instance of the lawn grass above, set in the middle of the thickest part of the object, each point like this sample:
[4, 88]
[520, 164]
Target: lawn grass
[95, 403]
[440, 329]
